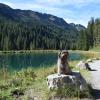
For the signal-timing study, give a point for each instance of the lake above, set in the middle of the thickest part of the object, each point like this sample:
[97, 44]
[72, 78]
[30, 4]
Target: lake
[18, 61]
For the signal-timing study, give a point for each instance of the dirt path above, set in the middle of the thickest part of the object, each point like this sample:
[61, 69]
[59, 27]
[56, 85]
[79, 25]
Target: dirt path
[95, 82]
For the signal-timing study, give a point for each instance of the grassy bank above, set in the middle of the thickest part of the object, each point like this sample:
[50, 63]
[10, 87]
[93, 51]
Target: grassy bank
[91, 53]
[96, 49]
[26, 51]
[29, 82]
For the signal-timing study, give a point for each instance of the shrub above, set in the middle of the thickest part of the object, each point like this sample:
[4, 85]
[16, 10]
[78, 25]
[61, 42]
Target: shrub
[69, 91]
[24, 77]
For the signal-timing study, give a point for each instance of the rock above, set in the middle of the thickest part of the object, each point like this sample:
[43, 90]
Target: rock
[96, 59]
[58, 98]
[55, 80]
[89, 60]
[82, 65]
[32, 98]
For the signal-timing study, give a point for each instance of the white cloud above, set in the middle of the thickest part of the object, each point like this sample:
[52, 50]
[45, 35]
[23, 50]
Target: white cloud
[76, 3]
[60, 8]
[39, 6]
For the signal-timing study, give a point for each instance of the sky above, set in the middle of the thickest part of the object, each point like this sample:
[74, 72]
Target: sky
[72, 11]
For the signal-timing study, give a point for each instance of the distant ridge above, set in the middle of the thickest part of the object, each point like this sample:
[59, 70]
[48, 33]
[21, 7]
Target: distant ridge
[29, 16]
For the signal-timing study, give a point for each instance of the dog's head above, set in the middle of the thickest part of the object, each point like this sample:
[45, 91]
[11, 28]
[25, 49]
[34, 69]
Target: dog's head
[63, 55]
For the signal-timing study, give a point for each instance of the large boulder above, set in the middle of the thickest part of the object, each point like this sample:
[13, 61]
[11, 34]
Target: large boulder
[75, 79]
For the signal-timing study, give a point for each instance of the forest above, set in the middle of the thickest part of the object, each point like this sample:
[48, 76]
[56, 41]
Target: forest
[90, 37]
[22, 36]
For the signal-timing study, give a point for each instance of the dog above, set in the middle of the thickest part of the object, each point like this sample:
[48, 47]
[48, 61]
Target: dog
[62, 63]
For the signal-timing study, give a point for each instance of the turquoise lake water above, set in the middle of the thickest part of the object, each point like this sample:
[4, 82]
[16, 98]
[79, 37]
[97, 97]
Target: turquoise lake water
[36, 60]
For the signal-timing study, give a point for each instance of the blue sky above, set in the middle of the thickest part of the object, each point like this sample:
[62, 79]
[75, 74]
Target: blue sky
[76, 11]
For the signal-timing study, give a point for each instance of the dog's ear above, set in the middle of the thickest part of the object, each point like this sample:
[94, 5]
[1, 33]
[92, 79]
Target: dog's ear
[68, 55]
[59, 54]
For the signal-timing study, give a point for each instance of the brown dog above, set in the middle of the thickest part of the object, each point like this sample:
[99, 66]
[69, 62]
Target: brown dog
[62, 63]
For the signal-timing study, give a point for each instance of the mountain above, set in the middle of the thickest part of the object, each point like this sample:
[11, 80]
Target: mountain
[38, 30]
[29, 16]
[79, 27]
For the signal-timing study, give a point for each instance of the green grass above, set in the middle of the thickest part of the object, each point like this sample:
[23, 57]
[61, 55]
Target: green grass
[92, 51]
[25, 79]
[97, 49]
[87, 54]
[27, 51]
[69, 91]
[32, 81]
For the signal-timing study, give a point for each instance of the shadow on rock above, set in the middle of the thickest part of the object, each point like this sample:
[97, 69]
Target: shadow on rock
[96, 93]
[93, 70]
[90, 69]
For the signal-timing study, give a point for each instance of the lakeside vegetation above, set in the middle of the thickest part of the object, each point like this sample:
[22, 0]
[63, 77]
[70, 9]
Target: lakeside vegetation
[27, 81]
[96, 49]
[30, 81]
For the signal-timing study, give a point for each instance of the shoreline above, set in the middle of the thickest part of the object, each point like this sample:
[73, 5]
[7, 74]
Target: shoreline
[27, 51]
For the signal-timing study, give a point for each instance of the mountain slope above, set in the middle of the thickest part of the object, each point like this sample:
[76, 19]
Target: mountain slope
[29, 16]
[79, 27]
[35, 30]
